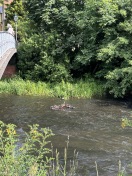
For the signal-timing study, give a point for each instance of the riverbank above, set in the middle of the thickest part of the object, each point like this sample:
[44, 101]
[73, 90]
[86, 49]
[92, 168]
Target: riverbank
[80, 89]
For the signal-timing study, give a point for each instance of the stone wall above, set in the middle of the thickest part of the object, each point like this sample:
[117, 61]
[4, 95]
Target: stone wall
[10, 71]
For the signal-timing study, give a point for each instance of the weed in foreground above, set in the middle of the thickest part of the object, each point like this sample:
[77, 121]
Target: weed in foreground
[31, 157]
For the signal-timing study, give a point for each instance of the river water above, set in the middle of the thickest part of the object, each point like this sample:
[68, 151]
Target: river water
[94, 129]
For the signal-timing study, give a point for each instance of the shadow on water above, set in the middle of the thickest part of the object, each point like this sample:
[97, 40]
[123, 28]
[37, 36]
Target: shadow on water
[94, 128]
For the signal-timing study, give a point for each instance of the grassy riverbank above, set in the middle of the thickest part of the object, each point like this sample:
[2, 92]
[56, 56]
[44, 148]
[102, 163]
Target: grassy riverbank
[81, 89]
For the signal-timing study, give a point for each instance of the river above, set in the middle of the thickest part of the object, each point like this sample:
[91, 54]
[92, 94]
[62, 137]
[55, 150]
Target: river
[93, 126]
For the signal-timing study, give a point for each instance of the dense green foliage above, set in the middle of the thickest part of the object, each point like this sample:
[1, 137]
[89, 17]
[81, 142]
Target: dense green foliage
[107, 43]
[67, 39]
[15, 8]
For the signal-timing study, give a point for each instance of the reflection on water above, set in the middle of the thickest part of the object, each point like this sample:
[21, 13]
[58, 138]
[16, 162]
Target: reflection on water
[94, 128]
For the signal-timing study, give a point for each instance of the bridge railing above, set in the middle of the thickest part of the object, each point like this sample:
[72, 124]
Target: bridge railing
[7, 41]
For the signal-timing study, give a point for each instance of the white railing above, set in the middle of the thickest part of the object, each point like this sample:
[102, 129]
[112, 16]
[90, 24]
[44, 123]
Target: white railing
[7, 41]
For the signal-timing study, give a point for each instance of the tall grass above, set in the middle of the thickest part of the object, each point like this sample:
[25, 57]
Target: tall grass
[80, 89]
[59, 167]
[20, 87]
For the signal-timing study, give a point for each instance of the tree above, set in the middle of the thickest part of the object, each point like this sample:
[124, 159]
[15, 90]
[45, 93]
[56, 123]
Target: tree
[55, 22]
[115, 48]
[106, 26]
[16, 7]
[72, 38]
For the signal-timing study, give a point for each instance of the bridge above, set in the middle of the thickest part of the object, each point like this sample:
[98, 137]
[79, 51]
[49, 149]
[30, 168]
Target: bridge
[7, 50]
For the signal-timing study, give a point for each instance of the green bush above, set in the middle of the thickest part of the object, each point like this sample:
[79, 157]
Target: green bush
[26, 158]
[31, 156]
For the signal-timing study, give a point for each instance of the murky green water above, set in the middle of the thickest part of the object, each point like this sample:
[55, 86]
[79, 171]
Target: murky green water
[94, 128]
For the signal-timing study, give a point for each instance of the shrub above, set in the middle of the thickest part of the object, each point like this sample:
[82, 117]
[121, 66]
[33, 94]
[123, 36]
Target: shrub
[27, 158]
[30, 156]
